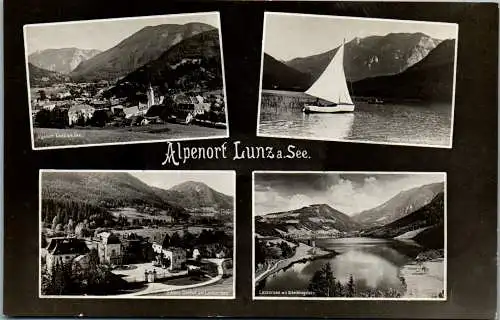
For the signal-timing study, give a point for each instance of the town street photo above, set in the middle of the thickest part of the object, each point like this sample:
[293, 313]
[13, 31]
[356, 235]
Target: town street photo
[126, 80]
[137, 234]
[349, 235]
[357, 80]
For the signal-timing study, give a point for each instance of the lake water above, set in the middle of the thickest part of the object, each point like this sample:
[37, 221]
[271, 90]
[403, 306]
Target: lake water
[428, 124]
[373, 263]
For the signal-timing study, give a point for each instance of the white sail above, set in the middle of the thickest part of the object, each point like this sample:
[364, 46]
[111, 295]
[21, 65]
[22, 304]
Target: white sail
[332, 85]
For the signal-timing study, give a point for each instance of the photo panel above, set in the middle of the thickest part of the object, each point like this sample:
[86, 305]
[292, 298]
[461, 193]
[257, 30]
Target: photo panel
[137, 234]
[126, 80]
[349, 235]
[353, 79]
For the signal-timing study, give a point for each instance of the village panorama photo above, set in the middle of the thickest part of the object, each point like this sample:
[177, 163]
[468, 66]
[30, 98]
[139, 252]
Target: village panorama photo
[350, 235]
[126, 80]
[358, 80]
[137, 234]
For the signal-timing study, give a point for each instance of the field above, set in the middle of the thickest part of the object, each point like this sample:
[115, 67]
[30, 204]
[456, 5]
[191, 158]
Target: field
[132, 213]
[149, 232]
[49, 137]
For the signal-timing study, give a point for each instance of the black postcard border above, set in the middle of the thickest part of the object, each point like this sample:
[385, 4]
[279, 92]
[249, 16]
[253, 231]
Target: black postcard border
[471, 165]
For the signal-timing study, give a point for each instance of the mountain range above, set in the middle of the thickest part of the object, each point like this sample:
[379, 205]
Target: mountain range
[417, 213]
[119, 189]
[371, 56]
[39, 77]
[142, 47]
[192, 63]
[398, 65]
[63, 60]
[399, 206]
[429, 79]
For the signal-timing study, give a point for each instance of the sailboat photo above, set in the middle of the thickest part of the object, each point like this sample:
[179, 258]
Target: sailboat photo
[332, 87]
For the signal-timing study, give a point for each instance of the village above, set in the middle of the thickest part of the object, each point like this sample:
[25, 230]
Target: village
[132, 264]
[72, 105]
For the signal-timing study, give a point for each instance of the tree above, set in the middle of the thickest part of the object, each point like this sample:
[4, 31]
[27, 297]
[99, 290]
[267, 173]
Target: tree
[351, 290]
[42, 94]
[323, 282]
[59, 228]
[175, 240]
[70, 227]
[55, 222]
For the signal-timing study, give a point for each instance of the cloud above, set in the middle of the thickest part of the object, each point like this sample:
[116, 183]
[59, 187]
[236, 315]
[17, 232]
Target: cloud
[349, 194]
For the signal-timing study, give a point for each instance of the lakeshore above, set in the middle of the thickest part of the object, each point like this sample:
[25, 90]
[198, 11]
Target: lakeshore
[302, 253]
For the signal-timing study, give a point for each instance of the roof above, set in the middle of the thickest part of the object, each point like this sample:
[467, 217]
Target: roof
[183, 98]
[67, 246]
[131, 110]
[158, 237]
[80, 107]
[109, 238]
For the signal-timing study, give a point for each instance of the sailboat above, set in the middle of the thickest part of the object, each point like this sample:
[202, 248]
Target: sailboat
[331, 86]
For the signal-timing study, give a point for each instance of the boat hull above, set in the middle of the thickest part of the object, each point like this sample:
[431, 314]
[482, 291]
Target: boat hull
[329, 109]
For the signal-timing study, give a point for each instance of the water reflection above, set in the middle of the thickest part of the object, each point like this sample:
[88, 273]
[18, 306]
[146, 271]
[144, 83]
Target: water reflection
[373, 263]
[430, 124]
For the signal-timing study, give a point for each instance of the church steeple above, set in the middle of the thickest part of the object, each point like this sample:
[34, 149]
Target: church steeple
[151, 96]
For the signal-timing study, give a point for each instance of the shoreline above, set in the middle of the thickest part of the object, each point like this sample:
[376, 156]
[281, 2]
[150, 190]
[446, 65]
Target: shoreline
[298, 257]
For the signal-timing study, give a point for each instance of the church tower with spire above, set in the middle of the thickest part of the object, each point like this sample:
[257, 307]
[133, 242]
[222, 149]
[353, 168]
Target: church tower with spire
[151, 96]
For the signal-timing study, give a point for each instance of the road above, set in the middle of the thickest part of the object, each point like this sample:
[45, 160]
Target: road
[158, 288]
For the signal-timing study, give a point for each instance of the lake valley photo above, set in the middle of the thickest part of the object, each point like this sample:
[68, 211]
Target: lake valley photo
[137, 234]
[126, 80]
[357, 80]
[349, 235]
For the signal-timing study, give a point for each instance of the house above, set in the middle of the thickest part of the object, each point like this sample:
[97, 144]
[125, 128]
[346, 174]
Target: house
[196, 103]
[116, 109]
[79, 112]
[63, 95]
[109, 248]
[136, 250]
[64, 250]
[176, 255]
[131, 112]
[49, 106]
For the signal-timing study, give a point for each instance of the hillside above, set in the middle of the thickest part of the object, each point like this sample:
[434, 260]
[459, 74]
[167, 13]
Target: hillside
[195, 195]
[371, 56]
[62, 60]
[314, 218]
[399, 206]
[133, 52]
[430, 217]
[39, 77]
[277, 75]
[107, 190]
[192, 63]
[429, 79]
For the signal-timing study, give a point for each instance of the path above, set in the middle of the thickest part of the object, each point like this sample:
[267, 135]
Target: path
[157, 287]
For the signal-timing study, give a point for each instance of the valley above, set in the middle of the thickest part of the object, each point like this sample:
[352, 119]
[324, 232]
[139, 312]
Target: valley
[145, 240]
[162, 82]
[394, 250]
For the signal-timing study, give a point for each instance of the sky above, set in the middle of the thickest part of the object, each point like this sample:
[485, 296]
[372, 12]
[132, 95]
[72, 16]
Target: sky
[101, 34]
[289, 36]
[348, 193]
[222, 181]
